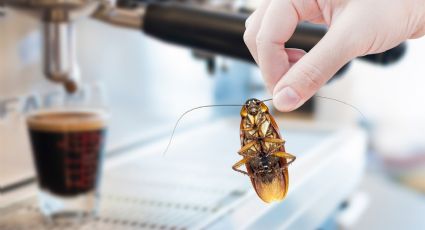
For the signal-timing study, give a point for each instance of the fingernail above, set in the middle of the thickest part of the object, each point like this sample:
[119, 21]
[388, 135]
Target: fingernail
[286, 99]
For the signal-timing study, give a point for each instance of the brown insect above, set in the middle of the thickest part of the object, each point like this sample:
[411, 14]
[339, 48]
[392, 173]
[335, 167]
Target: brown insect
[263, 152]
[263, 149]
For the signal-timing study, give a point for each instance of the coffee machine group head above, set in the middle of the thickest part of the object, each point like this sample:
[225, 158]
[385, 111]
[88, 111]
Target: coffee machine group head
[57, 17]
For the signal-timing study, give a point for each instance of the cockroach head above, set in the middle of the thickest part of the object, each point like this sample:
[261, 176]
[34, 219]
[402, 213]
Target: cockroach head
[253, 106]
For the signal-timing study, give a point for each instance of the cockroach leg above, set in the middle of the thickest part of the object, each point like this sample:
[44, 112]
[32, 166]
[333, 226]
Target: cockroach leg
[239, 164]
[274, 140]
[277, 144]
[248, 129]
[249, 155]
[246, 147]
[261, 122]
[287, 156]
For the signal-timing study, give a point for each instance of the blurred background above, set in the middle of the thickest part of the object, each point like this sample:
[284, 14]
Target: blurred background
[352, 172]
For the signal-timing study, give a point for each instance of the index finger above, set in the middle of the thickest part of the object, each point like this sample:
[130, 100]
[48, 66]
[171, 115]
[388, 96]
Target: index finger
[278, 25]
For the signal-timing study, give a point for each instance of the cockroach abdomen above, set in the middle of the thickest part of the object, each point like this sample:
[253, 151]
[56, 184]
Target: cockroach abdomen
[270, 190]
[269, 178]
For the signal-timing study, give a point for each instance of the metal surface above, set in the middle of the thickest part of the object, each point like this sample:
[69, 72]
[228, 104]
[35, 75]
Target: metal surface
[60, 63]
[58, 16]
[49, 4]
[2, 13]
[55, 10]
[129, 18]
[194, 187]
[59, 52]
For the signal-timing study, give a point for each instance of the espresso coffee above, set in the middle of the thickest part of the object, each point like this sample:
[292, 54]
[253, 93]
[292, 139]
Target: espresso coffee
[67, 147]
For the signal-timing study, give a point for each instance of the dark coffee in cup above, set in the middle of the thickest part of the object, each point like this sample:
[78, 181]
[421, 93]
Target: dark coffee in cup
[67, 148]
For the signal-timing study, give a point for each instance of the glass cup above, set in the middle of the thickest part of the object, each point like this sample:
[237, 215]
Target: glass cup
[67, 148]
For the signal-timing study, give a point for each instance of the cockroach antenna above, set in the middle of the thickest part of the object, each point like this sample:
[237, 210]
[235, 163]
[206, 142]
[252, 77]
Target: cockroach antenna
[233, 105]
[345, 103]
[333, 99]
[191, 110]
[270, 99]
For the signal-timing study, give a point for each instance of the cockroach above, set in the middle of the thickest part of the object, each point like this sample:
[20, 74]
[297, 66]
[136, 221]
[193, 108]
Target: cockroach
[262, 148]
[263, 152]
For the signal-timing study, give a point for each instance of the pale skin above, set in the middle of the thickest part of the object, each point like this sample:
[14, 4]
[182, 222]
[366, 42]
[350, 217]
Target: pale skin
[356, 28]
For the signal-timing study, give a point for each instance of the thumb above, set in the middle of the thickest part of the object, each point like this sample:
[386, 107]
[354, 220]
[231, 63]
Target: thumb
[313, 70]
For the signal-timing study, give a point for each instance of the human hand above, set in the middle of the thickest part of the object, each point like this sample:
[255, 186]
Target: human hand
[356, 28]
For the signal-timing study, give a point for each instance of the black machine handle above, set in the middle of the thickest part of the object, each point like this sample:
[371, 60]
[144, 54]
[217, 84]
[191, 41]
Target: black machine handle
[222, 33]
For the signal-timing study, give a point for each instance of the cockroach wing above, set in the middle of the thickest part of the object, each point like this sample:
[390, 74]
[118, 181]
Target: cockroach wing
[241, 132]
[274, 125]
[275, 190]
[278, 187]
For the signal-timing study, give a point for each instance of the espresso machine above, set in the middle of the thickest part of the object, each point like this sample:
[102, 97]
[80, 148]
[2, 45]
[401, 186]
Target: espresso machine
[140, 188]
[217, 32]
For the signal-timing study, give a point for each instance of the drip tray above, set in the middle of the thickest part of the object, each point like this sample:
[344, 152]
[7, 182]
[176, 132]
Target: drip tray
[118, 213]
[194, 187]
